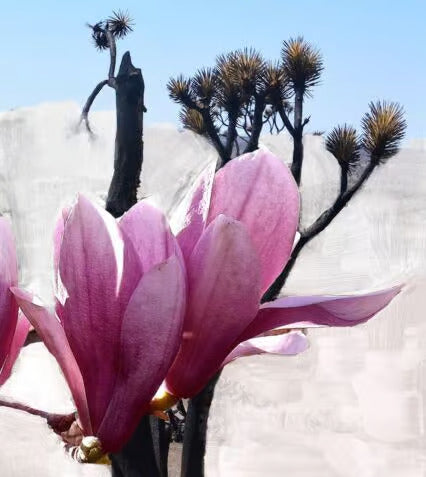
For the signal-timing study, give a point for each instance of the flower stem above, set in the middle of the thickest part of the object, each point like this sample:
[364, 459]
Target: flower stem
[58, 422]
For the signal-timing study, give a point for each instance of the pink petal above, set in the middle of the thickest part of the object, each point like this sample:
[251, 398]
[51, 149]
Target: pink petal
[195, 219]
[224, 292]
[21, 332]
[8, 278]
[148, 230]
[291, 343]
[304, 312]
[150, 338]
[98, 273]
[258, 190]
[51, 332]
[57, 240]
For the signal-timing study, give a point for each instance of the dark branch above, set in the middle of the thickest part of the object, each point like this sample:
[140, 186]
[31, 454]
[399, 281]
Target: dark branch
[257, 124]
[128, 155]
[298, 109]
[58, 422]
[306, 121]
[113, 57]
[318, 226]
[210, 128]
[296, 165]
[138, 457]
[194, 443]
[213, 134]
[285, 119]
[344, 172]
[85, 112]
[231, 134]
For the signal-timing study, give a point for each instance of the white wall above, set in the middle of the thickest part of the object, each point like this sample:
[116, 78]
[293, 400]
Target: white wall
[352, 405]
[46, 159]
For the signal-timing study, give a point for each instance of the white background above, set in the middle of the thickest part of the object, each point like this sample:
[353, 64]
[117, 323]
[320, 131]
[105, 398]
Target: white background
[352, 405]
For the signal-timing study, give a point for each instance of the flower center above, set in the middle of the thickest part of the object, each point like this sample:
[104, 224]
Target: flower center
[90, 451]
[162, 401]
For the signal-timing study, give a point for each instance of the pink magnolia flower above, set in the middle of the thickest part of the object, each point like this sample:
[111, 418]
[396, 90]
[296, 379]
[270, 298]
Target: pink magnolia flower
[120, 290]
[237, 236]
[13, 327]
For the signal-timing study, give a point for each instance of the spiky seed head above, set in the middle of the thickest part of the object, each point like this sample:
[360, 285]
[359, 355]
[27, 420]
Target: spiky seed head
[203, 85]
[120, 23]
[246, 68]
[383, 129]
[99, 37]
[302, 64]
[228, 90]
[274, 83]
[180, 90]
[344, 144]
[191, 119]
[238, 74]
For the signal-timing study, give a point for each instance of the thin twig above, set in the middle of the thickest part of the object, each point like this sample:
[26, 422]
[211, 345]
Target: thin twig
[58, 422]
[85, 111]
[306, 121]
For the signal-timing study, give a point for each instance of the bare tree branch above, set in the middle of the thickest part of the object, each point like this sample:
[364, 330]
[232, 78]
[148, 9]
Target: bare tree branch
[257, 124]
[113, 57]
[58, 422]
[318, 226]
[344, 172]
[213, 134]
[285, 119]
[85, 112]
[231, 134]
[306, 121]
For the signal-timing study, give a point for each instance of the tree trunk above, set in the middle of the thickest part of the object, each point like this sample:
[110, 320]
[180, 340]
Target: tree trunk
[143, 455]
[296, 165]
[194, 440]
[161, 436]
[138, 457]
[257, 127]
[129, 87]
[230, 136]
[343, 179]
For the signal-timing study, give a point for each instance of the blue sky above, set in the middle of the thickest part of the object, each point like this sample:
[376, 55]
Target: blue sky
[372, 50]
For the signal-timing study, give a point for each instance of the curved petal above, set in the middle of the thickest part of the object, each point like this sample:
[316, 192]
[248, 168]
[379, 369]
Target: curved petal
[51, 332]
[305, 312]
[195, 218]
[58, 233]
[147, 228]
[8, 278]
[291, 343]
[224, 292]
[258, 190]
[21, 332]
[150, 338]
[98, 274]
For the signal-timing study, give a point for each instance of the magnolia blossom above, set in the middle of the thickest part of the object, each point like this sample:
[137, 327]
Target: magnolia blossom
[236, 237]
[13, 327]
[120, 301]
